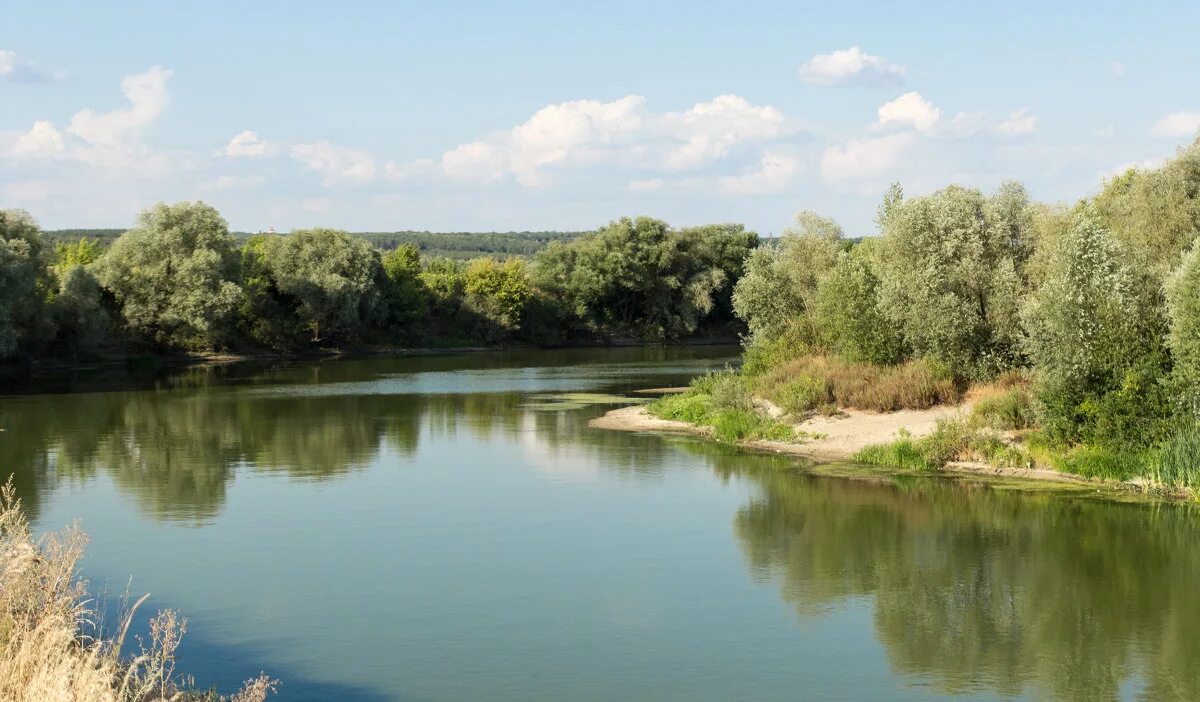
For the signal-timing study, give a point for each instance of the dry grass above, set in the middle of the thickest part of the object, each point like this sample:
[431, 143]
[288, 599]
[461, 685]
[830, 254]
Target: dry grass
[52, 647]
[813, 382]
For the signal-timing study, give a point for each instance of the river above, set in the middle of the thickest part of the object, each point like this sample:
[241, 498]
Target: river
[449, 528]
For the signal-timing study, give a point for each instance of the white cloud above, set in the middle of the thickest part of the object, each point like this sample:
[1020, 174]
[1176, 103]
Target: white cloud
[233, 182]
[773, 175]
[576, 131]
[339, 165]
[616, 134]
[477, 161]
[646, 185]
[850, 66]
[411, 169]
[318, 205]
[866, 158]
[1177, 124]
[910, 110]
[1018, 122]
[41, 141]
[711, 129]
[18, 71]
[147, 95]
[246, 144]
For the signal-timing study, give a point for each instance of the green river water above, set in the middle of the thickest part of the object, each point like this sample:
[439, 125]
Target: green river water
[449, 528]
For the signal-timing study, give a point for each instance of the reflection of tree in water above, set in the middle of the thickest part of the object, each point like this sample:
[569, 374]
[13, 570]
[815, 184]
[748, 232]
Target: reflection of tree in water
[977, 588]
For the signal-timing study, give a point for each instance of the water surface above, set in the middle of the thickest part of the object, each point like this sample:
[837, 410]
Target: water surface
[449, 528]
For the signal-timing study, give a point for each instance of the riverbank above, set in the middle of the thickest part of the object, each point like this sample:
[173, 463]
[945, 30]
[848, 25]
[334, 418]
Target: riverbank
[839, 438]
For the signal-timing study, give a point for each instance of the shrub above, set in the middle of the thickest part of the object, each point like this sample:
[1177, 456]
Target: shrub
[901, 453]
[1007, 410]
[913, 385]
[802, 394]
[691, 407]
[764, 354]
[727, 390]
[748, 425]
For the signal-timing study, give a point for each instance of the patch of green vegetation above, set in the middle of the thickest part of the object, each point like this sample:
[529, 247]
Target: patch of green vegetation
[1178, 460]
[722, 401]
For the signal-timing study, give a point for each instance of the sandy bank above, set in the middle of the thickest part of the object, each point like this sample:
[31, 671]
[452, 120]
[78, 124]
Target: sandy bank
[838, 438]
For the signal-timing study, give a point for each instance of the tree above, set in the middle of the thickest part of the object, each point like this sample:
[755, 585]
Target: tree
[332, 276]
[641, 277]
[846, 311]
[497, 291]
[1095, 337]
[1155, 213]
[174, 275]
[404, 293]
[265, 314]
[949, 275]
[1183, 296]
[80, 318]
[779, 286]
[22, 272]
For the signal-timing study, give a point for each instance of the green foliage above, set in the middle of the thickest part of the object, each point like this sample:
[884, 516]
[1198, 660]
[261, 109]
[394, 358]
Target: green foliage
[80, 318]
[173, 276]
[1177, 462]
[265, 315]
[765, 353]
[691, 407]
[881, 388]
[904, 453]
[726, 389]
[642, 278]
[404, 293]
[722, 401]
[84, 252]
[846, 312]
[1008, 410]
[332, 276]
[780, 282]
[747, 425]
[22, 266]
[949, 441]
[1154, 214]
[1094, 335]
[802, 394]
[1105, 461]
[497, 292]
[444, 280]
[1183, 298]
[949, 275]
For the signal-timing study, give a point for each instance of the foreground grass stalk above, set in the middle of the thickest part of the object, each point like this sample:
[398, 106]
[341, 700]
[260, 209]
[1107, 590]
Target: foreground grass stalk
[51, 647]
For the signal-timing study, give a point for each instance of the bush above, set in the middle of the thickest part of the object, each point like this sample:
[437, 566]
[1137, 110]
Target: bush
[949, 441]
[748, 425]
[802, 394]
[914, 385]
[691, 407]
[901, 453]
[727, 390]
[764, 354]
[1007, 410]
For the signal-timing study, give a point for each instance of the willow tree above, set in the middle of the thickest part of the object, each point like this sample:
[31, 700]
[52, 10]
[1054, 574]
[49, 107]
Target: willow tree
[173, 275]
[22, 267]
[950, 275]
[333, 277]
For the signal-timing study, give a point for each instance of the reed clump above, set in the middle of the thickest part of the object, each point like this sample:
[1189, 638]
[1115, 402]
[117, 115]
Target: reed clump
[53, 647]
[815, 382]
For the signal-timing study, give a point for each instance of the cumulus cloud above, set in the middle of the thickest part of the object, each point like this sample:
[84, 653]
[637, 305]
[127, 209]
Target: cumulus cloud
[617, 134]
[851, 66]
[338, 165]
[41, 141]
[775, 171]
[910, 110]
[1177, 124]
[866, 158]
[147, 95]
[16, 70]
[411, 169]
[246, 144]
[1018, 122]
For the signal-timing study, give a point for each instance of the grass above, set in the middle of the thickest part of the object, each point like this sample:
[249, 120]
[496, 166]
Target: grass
[815, 382]
[1177, 462]
[52, 646]
[722, 401]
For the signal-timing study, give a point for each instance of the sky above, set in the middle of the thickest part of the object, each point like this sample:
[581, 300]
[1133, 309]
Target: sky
[459, 116]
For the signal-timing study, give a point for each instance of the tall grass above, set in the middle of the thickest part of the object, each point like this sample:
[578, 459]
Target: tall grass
[1178, 461]
[52, 648]
[810, 382]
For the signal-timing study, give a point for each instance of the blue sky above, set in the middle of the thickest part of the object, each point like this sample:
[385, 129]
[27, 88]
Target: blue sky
[523, 115]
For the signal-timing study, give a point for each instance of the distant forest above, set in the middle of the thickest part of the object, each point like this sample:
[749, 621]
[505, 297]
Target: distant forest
[456, 245]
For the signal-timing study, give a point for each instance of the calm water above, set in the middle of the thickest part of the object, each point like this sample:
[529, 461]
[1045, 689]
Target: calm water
[450, 529]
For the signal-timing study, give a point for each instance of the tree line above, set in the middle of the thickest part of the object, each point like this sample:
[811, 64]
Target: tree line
[1099, 301]
[181, 280]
